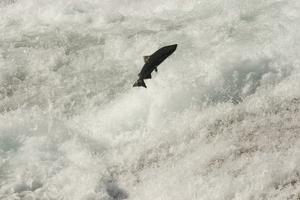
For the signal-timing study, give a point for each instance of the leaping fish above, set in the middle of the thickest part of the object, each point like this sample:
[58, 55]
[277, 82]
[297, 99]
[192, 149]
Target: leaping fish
[151, 63]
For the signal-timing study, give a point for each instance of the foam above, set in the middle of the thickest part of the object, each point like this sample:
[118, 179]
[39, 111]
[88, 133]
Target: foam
[218, 121]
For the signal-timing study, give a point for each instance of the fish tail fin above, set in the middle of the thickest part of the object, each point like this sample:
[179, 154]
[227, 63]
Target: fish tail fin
[139, 82]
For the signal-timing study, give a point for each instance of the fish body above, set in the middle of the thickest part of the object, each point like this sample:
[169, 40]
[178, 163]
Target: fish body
[151, 63]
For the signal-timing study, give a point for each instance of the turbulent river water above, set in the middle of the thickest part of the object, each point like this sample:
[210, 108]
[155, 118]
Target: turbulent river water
[220, 119]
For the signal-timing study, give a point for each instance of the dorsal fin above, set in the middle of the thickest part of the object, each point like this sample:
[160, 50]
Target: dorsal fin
[146, 58]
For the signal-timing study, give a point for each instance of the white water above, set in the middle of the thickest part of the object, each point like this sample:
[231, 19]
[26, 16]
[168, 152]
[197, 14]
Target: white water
[220, 120]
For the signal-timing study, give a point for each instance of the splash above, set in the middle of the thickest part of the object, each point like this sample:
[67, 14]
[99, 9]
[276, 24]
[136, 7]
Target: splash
[219, 121]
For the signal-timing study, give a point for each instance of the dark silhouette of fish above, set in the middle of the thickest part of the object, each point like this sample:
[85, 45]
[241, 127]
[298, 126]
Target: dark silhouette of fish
[151, 63]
